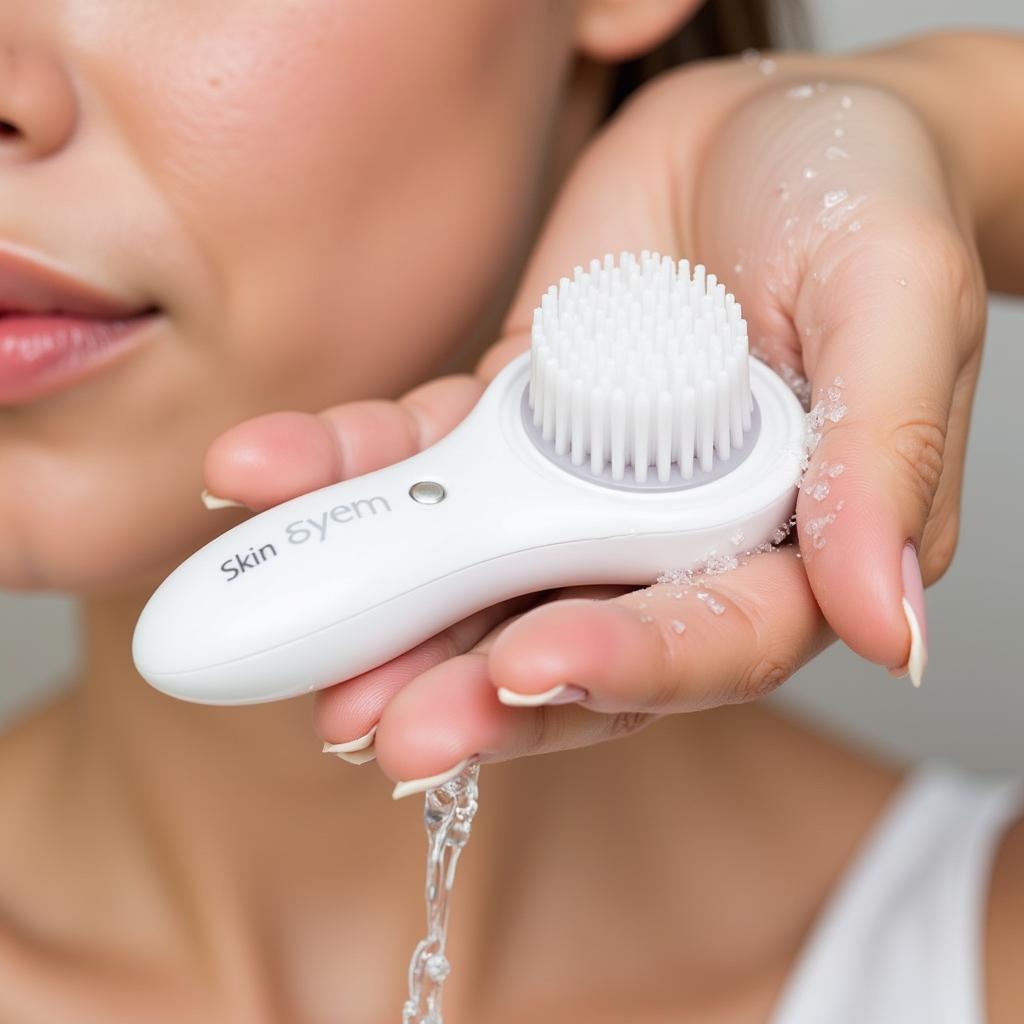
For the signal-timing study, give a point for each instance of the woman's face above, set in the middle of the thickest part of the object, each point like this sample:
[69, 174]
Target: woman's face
[319, 198]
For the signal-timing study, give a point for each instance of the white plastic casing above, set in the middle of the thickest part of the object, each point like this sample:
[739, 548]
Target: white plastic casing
[340, 580]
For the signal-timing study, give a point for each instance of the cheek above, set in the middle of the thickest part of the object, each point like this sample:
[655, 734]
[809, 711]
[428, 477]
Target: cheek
[359, 177]
[349, 185]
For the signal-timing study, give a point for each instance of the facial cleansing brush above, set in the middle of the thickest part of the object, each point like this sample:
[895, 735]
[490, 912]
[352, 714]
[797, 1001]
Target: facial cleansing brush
[636, 436]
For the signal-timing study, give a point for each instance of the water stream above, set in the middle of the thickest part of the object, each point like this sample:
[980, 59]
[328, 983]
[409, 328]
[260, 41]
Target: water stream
[448, 813]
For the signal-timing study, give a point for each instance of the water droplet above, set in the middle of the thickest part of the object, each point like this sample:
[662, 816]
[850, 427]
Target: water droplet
[677, 626]
[854, 227]
[801, 92]
[438, 967]
[903, 282]
[712, 564]
[767, 66]
[737, 268]
[836, 207]
[839, 132]
[816, 526]
[836, 153]
[797, 382]
[846, 102]
[713, 604]
[809, 173]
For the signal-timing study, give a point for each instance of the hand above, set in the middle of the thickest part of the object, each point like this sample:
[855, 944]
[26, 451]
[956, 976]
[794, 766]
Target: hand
[821, 199]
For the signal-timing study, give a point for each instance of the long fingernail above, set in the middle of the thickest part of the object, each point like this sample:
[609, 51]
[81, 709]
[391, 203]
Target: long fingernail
[430, 782]
[358, 751]
[211, 501]
[562, 694]
[914, 611]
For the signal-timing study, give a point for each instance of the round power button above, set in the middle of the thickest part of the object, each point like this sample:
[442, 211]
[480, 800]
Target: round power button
[427, 492]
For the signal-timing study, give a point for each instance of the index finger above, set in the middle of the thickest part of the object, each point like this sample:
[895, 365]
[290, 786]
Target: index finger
[272, 458]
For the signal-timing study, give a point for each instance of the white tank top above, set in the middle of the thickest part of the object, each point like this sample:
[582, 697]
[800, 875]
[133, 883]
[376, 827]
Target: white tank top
[901, 940]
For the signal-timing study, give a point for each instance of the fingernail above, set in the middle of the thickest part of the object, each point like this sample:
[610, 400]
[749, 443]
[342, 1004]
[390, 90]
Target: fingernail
[211, 501]
[562, 694]
[358, 751]
[430, 782]
[914, 611]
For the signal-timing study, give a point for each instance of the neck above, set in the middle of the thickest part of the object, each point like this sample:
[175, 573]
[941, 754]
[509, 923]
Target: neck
[275, 743]
[230, 818]
[242, 853]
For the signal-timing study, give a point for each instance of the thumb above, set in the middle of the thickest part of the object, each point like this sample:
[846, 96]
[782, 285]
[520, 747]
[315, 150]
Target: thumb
[891, 408]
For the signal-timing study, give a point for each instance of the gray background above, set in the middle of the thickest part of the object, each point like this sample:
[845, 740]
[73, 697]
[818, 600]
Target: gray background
[971, 708]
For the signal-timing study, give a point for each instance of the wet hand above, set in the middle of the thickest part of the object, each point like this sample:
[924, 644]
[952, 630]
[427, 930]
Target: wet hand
[821, 199]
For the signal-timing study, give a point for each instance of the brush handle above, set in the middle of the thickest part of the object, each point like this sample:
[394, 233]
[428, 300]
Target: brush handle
[342, 579]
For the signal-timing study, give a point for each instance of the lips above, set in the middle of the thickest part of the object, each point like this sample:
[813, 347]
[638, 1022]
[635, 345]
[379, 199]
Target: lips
[56, 330]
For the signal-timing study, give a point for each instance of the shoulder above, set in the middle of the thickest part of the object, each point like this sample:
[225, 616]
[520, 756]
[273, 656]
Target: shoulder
[1004, 933]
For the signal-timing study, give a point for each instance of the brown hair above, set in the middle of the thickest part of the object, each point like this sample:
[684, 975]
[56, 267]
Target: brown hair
[719, 28]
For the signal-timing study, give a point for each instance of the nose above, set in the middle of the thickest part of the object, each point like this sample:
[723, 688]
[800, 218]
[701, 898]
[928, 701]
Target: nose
[38, 109]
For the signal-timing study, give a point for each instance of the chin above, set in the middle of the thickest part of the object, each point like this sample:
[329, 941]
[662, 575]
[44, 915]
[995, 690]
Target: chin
[99, 548]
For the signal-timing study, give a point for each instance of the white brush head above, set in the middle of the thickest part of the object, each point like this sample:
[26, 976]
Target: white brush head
[641, 370]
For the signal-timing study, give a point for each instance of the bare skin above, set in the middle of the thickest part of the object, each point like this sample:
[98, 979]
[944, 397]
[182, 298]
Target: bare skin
[179, 863]
[250, 913]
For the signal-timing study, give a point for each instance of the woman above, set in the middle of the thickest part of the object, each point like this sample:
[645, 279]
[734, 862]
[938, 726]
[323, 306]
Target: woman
[206, 217]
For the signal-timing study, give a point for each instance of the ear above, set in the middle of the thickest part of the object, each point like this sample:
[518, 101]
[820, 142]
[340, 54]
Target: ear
[612, 31]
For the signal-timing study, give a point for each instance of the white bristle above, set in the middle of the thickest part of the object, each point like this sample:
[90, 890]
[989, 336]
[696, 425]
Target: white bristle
[640, 364]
